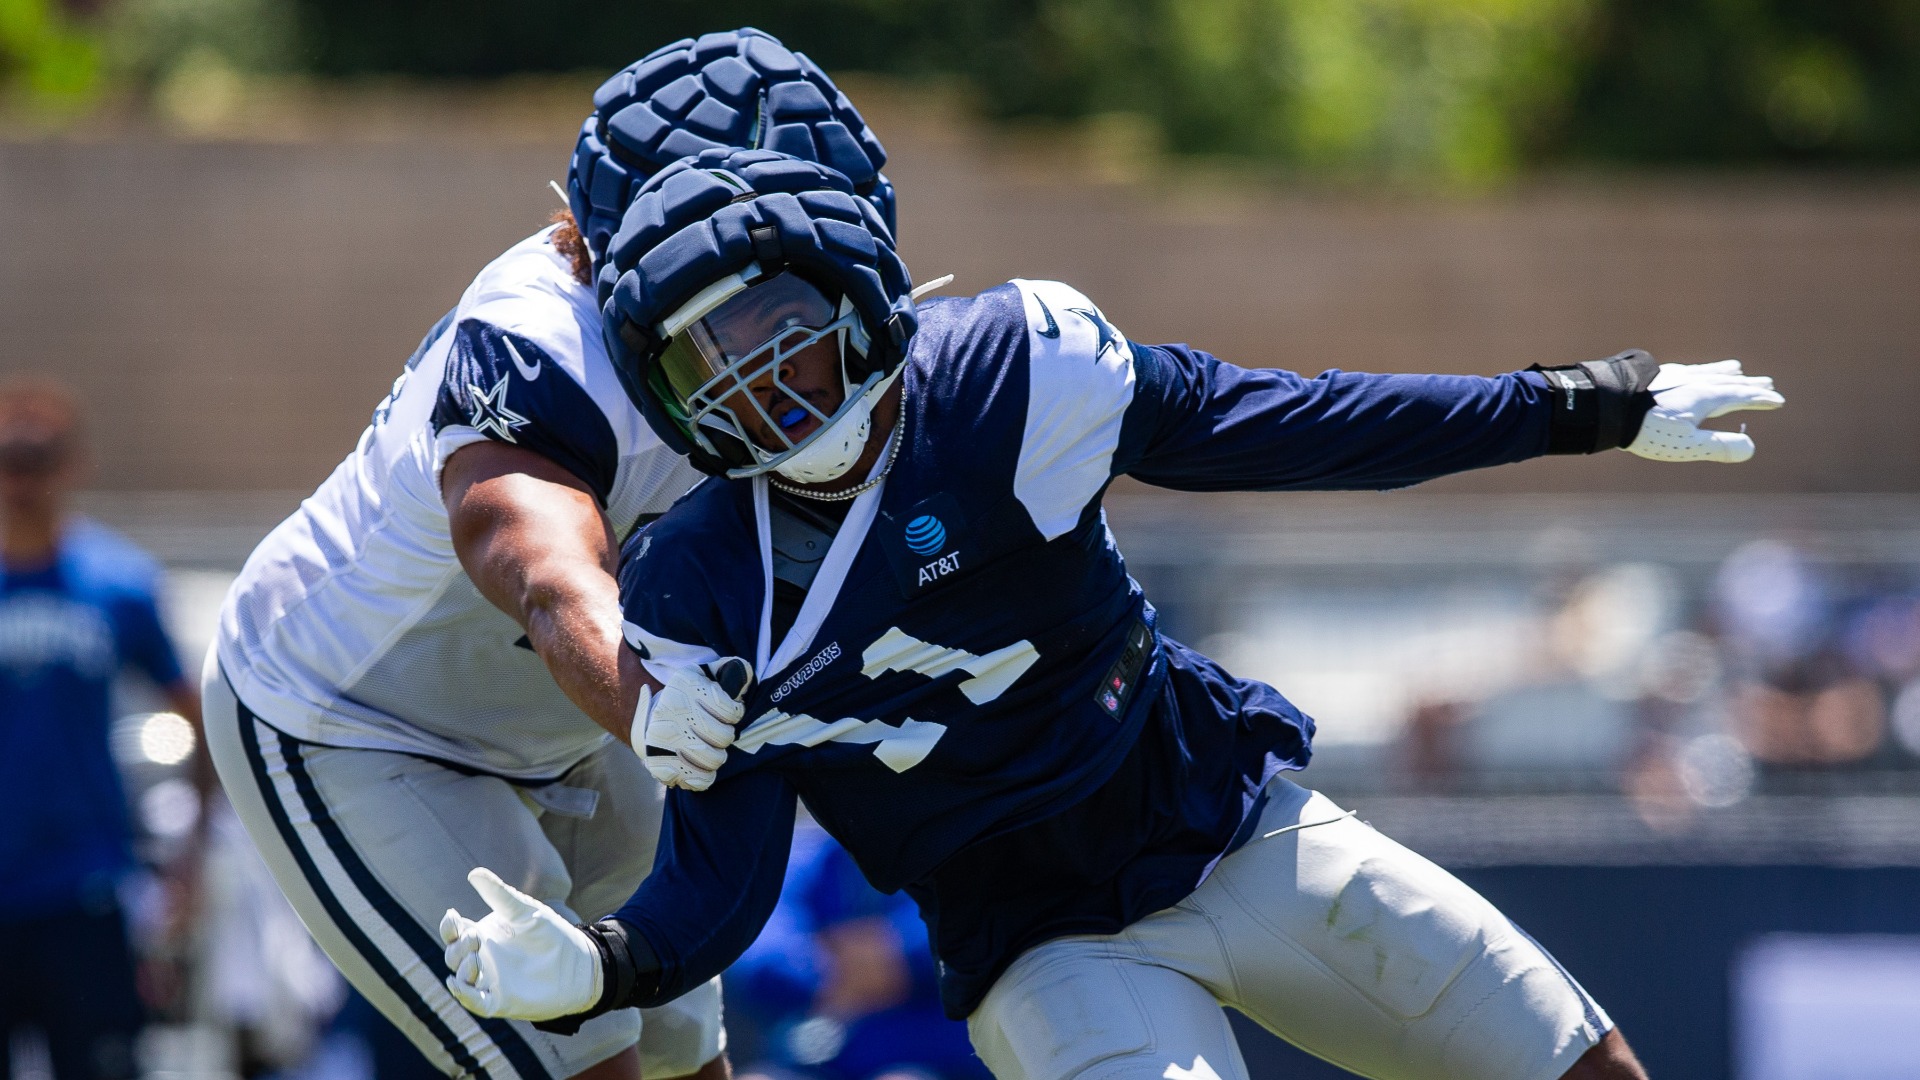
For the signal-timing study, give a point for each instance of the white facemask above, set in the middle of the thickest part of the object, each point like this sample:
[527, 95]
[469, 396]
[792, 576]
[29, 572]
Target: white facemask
[835, 449]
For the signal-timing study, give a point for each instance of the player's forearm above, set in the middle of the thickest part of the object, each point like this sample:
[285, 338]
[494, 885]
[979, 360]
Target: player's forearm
[572, 619]
[696, 914]
[536, 544]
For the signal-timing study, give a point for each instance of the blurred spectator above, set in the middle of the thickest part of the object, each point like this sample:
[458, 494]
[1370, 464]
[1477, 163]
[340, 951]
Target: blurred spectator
[1800, 701]
[1883, 637]
[1882, 641]
[258, 977]
[1612, 624]
[1574, 718]
[840, 984]
[1774, 607]
[76, 607]
[1790, 666]
[1430, 746]
[1681, 760]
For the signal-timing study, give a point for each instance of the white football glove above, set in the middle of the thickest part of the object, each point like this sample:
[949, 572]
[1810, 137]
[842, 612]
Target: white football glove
[682, 732]
[1684, 395]
[523, 961]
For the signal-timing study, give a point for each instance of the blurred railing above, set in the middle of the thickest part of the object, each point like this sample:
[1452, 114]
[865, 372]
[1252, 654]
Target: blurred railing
[1680, 653]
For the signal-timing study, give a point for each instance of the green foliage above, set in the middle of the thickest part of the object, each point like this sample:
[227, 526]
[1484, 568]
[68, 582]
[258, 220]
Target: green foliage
[46, 60]
[192, 58]
[1463, 91]
[491, 38]
[1431, 88]
[153, 39]
[1749, 80]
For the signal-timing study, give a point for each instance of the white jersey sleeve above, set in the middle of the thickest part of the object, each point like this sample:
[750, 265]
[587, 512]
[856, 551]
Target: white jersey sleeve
[1080, 383]
[502, 386]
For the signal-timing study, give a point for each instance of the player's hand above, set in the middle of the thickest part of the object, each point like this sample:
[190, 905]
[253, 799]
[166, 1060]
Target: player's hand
[1685, 395]
[522, 961]
[682, 732]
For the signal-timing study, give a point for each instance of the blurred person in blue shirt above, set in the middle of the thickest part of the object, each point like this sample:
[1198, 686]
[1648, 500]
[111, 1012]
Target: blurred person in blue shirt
[841, 983]
[76, 608]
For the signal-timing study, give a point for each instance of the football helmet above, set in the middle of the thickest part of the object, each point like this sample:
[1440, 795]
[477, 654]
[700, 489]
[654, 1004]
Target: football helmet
[727, 270]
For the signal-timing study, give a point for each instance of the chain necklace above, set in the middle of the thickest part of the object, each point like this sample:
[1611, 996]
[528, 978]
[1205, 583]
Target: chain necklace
[854, 492]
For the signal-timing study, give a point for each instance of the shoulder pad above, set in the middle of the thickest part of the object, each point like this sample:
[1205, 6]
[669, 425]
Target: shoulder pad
[1062, 322]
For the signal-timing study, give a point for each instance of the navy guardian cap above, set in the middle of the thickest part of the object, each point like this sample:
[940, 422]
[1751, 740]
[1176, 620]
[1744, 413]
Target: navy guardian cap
[741, 89]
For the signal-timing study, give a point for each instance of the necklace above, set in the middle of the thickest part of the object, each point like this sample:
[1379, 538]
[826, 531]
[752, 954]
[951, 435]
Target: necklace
[854, 492]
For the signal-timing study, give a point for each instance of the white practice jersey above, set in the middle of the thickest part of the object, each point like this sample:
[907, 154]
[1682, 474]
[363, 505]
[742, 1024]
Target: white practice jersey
[353, 623]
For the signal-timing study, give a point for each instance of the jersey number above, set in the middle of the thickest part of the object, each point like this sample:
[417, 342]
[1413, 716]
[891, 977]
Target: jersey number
[899, 747]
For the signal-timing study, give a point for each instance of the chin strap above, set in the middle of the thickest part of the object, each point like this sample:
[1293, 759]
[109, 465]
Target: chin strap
[629, 974]
[1599, 404]
[933, 286]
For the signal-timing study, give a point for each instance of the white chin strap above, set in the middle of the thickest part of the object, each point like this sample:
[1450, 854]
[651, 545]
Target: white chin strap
[833, 451]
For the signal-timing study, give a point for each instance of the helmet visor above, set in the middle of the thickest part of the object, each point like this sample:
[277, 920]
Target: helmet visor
[754, 379]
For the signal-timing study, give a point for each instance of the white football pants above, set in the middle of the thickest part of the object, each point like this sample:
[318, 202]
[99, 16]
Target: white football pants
[1323, 931]
[372, 847]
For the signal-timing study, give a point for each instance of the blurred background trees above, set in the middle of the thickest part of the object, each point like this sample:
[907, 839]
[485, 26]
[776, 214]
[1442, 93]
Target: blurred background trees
[46, 60]
[1458, 90]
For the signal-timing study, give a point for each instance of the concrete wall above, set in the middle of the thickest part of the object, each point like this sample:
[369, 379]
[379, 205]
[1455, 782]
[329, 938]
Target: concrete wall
[233, 311]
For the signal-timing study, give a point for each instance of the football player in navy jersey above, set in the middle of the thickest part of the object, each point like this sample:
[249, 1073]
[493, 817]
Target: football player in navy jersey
[902, 537]
[417, 670]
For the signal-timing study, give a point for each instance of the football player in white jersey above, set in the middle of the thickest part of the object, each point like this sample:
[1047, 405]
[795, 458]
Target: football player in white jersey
[416, 673]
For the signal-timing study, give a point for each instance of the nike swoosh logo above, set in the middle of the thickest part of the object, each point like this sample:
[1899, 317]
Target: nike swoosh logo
[527, 371]
[1053, 328]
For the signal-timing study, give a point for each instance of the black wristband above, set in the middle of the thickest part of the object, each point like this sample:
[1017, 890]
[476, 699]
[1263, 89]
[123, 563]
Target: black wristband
[629, 973]
[1599, 404]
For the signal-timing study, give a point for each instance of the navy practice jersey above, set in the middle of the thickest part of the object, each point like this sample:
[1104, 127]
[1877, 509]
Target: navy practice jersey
[66, 630]
[972, 698]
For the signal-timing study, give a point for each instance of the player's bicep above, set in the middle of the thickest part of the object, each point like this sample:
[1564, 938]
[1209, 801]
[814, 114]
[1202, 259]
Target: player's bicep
[519, 522]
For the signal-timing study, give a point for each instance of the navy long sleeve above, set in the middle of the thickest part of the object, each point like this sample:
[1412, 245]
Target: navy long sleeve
[1200, 424]
[716, 879]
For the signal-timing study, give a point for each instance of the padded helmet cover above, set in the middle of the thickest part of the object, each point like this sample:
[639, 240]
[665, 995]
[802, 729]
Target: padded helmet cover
[695, 222]
[737, 89]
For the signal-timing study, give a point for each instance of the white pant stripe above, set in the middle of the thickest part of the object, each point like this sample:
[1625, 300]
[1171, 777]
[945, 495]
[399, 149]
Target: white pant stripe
[413, 975]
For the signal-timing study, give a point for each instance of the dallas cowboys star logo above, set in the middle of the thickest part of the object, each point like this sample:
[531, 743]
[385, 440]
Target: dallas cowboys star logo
[490, 412]
[1109, 337]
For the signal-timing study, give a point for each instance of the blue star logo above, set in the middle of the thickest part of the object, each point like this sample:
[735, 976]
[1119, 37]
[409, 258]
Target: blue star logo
[490, 412]
[1109, 337]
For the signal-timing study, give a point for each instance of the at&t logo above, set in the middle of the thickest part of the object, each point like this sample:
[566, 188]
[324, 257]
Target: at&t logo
[925, 535]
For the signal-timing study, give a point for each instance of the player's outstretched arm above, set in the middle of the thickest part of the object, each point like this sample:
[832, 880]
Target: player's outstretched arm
[1197, 423]
[534, 540]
